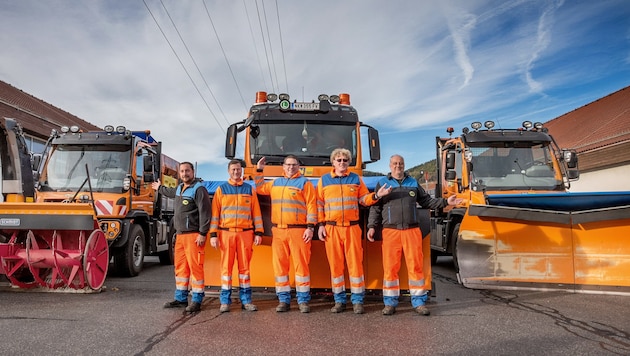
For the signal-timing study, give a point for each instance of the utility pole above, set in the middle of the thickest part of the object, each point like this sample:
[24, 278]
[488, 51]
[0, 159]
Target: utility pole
[424, 175]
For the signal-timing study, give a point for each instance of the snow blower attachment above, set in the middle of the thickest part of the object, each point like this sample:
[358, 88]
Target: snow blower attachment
[50, 245]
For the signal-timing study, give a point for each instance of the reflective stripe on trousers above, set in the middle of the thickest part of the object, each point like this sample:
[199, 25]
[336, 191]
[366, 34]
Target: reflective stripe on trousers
[288, 245]
[237, 245]
[189, 273]
[343, 245]
[395, 243]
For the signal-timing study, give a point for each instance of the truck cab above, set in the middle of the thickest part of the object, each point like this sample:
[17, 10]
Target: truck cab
[277, 127]
[485, 161]
[113, 169]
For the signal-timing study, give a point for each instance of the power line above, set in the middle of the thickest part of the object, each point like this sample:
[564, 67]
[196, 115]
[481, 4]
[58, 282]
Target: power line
[182, 65]
[251, 31]
[273, 59]
[284, 63]
[262, 33]
[194, 62]
[224, 55]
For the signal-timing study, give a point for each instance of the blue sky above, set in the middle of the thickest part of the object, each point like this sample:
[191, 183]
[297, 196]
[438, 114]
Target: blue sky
[186, 69]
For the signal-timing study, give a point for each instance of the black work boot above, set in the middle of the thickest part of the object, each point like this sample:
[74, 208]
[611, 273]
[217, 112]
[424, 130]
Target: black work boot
[175, 304]
[283, 307]
[338, 308]
[194, 307]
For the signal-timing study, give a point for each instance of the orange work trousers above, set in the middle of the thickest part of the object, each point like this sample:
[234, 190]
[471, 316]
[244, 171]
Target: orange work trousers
[288, 245]
[237, 245]
[189, 264]
[343, 244]
[395, 243]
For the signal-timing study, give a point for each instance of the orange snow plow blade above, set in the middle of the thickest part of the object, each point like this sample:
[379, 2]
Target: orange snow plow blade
[524, 247]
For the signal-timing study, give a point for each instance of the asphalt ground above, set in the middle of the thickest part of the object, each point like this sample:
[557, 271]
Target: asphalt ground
[127, 318]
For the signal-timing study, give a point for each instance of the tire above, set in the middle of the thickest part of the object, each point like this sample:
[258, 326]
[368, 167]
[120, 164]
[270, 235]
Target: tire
[129, 259]
[434, 257]
[454, 246]
[167, 257]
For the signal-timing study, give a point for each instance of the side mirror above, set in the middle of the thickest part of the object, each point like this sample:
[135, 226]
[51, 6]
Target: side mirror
[37, 160]
[570, 157]
[450, 160]
[147, 164]
[452, 186]
[148, 177]
[230, 141]
[573, 174]
[375, 145]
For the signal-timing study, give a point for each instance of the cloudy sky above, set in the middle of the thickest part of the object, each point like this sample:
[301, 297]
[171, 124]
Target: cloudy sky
[187, 69]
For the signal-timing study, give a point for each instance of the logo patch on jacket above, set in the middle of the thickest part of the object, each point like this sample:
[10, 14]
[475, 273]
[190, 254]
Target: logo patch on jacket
[412, 193]
[185, 202]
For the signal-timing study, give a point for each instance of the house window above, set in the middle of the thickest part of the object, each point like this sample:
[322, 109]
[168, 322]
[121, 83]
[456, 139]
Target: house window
[34, 144]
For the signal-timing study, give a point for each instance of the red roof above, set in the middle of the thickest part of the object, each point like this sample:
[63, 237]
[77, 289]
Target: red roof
[602, 123]
[36, 116]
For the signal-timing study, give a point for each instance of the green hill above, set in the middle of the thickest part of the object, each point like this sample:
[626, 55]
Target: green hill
[416, 172]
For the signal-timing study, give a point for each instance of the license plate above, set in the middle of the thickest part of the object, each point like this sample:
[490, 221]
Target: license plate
[10, 222]
[305, 106]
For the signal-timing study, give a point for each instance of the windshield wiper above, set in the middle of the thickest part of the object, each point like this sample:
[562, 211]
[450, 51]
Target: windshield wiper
[271, 159]
[71, 172]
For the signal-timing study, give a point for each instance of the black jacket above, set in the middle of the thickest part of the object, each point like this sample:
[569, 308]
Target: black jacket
[398, 209]
[193, 209]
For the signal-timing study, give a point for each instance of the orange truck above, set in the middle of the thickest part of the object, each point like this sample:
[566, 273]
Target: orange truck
[276, 127]
[93, 200]
[520, 227]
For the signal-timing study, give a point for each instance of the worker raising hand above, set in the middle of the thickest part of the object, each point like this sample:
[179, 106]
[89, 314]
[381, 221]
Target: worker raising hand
[260, 165]
[383, 191]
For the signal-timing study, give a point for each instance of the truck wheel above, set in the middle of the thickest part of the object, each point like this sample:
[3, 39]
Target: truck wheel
[167, 257]
[454, 246]
[128, 261]
[434, 257]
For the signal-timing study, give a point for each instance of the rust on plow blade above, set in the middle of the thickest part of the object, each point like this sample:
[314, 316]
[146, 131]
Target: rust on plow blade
[52, 245]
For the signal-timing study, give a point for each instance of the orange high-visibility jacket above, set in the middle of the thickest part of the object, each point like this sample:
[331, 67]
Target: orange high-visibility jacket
[235, 208]
[338, 198]
[293, 200]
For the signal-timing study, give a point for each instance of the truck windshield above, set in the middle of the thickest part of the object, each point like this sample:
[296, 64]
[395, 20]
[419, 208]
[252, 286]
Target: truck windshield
[312, 143]
[65, 169]
[514, 168]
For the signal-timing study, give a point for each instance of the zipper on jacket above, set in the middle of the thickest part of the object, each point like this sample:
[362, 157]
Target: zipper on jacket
[343, 204]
